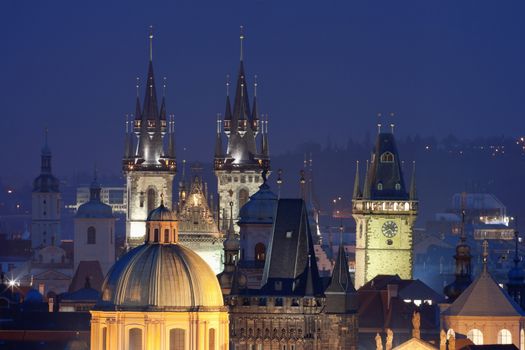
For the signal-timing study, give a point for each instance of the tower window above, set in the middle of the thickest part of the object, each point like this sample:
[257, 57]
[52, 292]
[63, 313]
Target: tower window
[387, 157]
[243, 197]
[260, 252]
[152, 199]
[91, 235]
[156, 235]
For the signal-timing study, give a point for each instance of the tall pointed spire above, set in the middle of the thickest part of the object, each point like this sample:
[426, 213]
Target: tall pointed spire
[241, 38]
[357, 188]
[128, 140]
[151, 43]
[162, 114]
[228, 110]
[45, 164]
[171, 137]
[255, 111]
[366, 187]
[265, 145]
[218, 138]
[413, 191]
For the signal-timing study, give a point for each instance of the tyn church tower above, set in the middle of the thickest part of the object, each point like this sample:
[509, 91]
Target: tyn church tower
[384, 213]
[148, 163]
[238, 168]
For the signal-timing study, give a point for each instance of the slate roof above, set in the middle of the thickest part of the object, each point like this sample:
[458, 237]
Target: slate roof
[291, 267]
[90, 270]
[387, 173]
[484, 298]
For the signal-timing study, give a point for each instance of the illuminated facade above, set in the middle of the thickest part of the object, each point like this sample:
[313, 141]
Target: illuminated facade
[292, 308]
[384, 213]
[46, 205]
[485, 313]
[160, 295]
[149, 164]
[238, 168]
[197, 225]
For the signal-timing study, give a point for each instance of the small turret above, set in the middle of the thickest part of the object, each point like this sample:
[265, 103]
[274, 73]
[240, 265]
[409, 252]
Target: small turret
[357, 187]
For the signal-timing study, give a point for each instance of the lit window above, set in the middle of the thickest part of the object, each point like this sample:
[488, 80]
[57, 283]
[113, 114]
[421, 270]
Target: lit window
[504, 337]
[135, 339]
[177, 339]
[475, 336]
[260, 252]
[380, 186]
[387, 157]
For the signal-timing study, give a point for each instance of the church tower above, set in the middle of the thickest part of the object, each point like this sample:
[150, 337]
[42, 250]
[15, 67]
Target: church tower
[238, 168]
[45, 206]
[149, 164]
[384, 213]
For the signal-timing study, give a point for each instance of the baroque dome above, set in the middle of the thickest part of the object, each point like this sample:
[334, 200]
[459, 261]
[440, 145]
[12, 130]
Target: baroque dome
[161, 213]
[161, 277]
[260, 208]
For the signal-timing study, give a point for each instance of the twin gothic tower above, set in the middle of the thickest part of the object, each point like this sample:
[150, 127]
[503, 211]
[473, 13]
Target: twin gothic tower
[383, 208]
[149, 161]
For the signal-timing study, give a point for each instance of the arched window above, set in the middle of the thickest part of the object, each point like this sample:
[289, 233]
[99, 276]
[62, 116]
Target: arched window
[104, 339]
[450, 333]
[504, 337]
[177, 339]
[260, 252]
[476, 336]
[166, 235]
[152, 199]
[387, 157]
[522, 339]
[135, 339]
[91, 235]
[243, 197]
[156, 235]
[211, 341]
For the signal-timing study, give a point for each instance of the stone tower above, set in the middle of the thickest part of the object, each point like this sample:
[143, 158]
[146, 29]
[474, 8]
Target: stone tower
[95, 231]
[149, 164]
[238, 168]
[384, 213]
[45, 206]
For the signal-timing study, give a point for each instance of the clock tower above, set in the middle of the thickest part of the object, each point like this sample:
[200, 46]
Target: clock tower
[384, 212]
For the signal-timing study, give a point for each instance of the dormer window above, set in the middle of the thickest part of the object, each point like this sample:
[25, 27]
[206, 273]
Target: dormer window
[387, 157]
[380, 186]
[398, 186]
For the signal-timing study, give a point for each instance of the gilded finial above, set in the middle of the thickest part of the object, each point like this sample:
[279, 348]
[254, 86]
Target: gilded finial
[379, 123]
[255, 85]
[227, 85]
[392, 114]
[151, 42]
[241, 37]
[137, 86]
[164, 87]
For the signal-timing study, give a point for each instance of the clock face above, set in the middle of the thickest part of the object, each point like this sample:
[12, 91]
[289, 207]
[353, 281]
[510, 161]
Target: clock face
[389, 229]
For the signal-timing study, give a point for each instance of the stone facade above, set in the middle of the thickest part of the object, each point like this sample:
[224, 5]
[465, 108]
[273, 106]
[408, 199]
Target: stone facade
[275, 323]
[144, 190]
[237, 187]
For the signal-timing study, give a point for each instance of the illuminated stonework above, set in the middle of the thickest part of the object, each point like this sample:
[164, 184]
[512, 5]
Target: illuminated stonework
[144, 189]
[159, 330]
[384, 212]
[160, 295]
[376, 253]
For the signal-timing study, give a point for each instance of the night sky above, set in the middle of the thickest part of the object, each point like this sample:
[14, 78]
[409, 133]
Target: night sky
[325, 69]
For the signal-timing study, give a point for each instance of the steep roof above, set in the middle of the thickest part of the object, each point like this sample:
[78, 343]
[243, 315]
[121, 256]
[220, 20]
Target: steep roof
[290, 266]
[484, 298]
[385, 176]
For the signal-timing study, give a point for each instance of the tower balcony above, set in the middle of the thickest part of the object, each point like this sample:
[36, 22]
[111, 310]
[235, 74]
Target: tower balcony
[365, 206]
